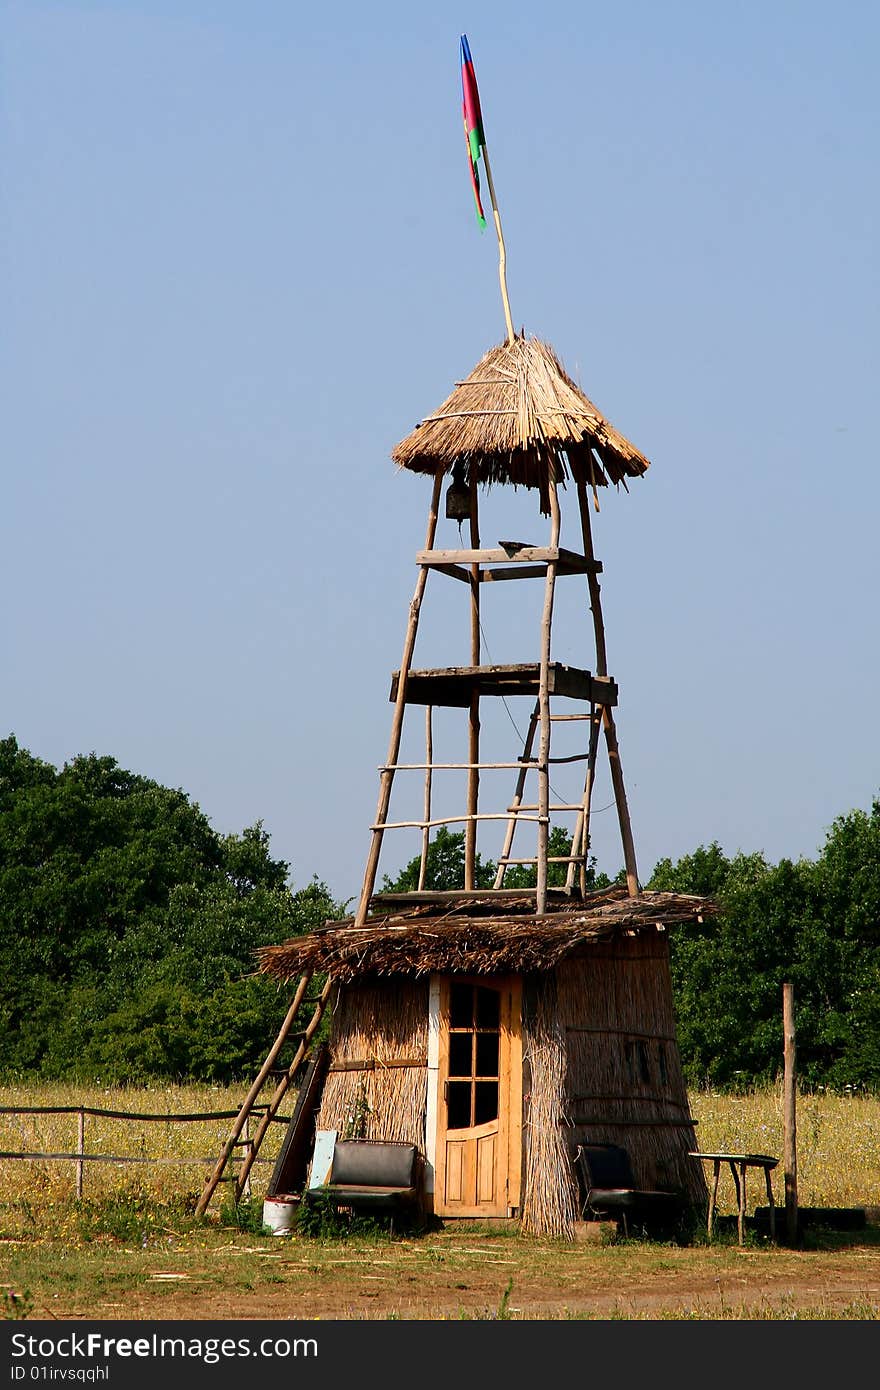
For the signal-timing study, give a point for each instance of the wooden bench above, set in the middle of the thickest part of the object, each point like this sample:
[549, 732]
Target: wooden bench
[374, 1173]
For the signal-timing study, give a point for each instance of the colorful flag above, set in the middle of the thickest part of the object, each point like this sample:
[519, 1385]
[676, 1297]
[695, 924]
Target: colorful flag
[473, 122]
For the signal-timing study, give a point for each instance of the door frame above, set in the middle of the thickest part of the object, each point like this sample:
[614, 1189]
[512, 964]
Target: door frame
[509, 1090]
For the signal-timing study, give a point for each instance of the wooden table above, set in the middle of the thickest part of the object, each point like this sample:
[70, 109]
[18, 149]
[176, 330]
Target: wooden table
[739, 1163]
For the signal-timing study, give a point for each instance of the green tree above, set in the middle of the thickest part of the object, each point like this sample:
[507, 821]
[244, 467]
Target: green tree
[444, 867]
[129, 927]
[815, 924]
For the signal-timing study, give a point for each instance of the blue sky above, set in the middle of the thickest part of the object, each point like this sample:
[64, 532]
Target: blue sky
[239, 261]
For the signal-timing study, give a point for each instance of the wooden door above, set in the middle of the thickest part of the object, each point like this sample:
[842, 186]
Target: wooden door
[479, 1105]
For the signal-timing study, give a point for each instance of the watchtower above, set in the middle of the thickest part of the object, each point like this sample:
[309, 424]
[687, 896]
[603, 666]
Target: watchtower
[516, 421]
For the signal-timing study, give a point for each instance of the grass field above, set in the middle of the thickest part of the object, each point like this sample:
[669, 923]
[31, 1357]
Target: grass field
[131, 1248]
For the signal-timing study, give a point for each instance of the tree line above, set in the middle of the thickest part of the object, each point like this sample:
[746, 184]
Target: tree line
[128, 928]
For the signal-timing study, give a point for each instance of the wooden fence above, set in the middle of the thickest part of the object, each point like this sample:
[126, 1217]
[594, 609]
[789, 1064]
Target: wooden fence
[80, 1158]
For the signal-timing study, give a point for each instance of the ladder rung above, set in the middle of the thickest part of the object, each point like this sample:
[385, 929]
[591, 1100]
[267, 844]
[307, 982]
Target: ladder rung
[551, 859]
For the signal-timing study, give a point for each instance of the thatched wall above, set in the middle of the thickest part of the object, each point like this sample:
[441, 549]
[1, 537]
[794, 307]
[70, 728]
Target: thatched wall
[550, 1200]
[368, 1094]
[624, 1083]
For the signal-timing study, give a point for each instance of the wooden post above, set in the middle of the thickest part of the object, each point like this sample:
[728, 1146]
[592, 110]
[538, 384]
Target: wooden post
[789, 1115]
[517, 798]
[626, 835]
[426, 831]
[580, 840]
[473, 791]
[387, 776]
[246, 1147]
[80, 1149]
[544, 706]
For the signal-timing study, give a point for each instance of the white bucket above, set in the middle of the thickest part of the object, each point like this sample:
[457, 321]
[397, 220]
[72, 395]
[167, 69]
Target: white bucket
[278, 1216]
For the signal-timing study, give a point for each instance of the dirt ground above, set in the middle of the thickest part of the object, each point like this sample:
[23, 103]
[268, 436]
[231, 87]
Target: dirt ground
[454, 1277]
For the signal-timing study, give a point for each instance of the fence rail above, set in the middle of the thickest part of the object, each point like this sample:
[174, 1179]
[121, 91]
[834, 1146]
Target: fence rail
[79, 1157]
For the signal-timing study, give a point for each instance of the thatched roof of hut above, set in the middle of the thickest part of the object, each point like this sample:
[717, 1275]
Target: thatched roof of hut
[519, 418]
[474, 938]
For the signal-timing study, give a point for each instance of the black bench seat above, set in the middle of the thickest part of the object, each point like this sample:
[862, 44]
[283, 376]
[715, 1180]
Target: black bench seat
[374, 1173]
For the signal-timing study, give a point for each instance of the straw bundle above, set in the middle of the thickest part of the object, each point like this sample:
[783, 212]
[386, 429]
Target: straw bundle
[519, 418]
[476, 938]
[550, 1204]
[365, 1097]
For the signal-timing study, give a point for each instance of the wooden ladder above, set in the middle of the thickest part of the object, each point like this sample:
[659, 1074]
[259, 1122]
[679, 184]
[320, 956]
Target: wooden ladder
[268, 1114]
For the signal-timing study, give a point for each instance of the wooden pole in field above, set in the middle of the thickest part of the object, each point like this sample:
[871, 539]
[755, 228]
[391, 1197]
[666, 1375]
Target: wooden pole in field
[789, 1115]
[80, 1148]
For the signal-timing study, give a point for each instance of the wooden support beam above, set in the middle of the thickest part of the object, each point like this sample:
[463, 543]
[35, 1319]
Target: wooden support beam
[525, 762]
[544, 705]
[449, 820]
[626, 835]
[387, 776]
[426, 833]
[473, 789]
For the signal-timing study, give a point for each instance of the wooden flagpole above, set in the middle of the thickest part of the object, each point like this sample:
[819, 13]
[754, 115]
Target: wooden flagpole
[502, 252]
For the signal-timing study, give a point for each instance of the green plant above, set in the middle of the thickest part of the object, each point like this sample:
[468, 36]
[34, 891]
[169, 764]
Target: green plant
[132, 1216]
[321, 1219]
[503, 1314]
[245, 1216]
[16, 1306]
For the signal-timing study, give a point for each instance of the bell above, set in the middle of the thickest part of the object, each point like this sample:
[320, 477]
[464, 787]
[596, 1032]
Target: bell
[458, 496]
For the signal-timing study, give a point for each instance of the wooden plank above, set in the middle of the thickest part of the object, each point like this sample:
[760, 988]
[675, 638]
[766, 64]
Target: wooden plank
[379, 1064]
[454, 572]
[574, 562]
[291, 1166]
[453, 686]
[443, 897]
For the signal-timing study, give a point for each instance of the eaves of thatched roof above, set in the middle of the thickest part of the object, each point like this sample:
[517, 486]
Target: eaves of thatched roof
[477, 942]
[519, 418]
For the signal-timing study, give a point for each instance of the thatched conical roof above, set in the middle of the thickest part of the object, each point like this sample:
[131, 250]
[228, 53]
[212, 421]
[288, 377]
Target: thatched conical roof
[519, 418]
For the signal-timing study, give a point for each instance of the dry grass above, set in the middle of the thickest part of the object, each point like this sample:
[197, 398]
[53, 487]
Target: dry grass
[838, 1142]
[52, 1183]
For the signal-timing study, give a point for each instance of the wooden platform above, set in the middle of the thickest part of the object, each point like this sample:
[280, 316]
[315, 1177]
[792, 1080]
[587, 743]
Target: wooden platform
[454, 685]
